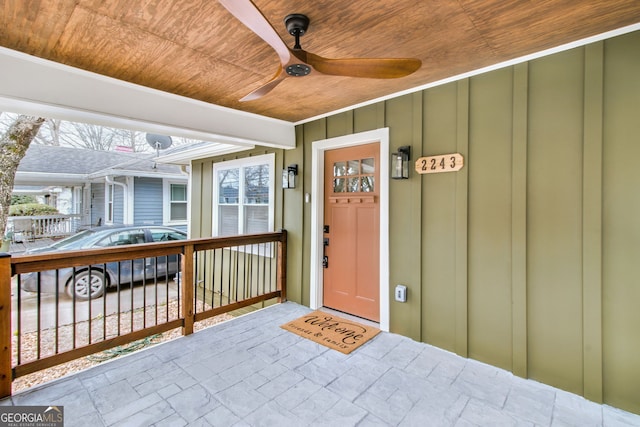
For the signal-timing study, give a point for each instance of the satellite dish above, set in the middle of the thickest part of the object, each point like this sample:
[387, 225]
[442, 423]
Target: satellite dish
[159, 142]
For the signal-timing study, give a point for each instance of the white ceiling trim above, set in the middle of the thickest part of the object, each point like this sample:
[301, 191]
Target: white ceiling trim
[184, 156]
[31, 85]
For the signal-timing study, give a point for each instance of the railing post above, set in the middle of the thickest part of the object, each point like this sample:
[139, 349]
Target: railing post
[281, 275]
[187, 283]
[5, 325]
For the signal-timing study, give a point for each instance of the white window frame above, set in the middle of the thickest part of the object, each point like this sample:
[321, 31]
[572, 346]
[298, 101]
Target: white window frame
[268, 159]
[166, 196]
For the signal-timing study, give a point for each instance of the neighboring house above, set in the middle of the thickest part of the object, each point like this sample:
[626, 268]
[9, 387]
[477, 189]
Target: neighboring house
[526, 258]
[106, 187]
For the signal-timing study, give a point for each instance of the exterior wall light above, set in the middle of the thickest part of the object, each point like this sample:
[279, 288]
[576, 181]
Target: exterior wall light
[289, 176]
[400, 163]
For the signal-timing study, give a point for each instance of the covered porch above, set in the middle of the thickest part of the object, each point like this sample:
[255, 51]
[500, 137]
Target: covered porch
[249, 371]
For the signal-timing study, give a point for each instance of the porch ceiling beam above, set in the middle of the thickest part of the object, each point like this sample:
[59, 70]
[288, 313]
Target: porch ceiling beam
[32, 85]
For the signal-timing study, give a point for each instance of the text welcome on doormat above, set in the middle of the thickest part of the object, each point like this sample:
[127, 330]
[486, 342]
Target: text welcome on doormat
[331, 331]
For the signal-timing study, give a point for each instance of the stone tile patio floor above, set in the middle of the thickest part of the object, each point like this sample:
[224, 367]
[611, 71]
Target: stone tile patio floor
[250, 372]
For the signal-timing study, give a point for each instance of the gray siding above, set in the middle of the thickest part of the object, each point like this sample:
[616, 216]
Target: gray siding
[148, 201]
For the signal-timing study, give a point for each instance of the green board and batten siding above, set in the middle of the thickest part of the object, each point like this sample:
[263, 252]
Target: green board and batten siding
[529, 257]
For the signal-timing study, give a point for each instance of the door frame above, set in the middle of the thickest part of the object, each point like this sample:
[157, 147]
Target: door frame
[380, 136]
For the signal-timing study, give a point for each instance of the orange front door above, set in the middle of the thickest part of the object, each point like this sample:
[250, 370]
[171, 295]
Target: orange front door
[352, 230]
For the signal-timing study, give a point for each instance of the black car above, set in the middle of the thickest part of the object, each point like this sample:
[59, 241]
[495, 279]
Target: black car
[91, 282]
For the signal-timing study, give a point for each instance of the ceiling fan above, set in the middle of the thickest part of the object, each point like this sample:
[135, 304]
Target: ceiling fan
[297, 62]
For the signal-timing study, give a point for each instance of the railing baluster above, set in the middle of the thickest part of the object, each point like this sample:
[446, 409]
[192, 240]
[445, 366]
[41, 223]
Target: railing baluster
[229, 276]
[271, 261]
[144, 292]
[195, 287]
[57, 311]
[166, 289]
[131, 294]
[19, 317]
[155, 288]
[222, 250]
[236, 285]
[104, 304]
[264, 267]
[247, 286]
[38, 314]
[119, 278]
[73, 296]
[213, 279]
[89, 304]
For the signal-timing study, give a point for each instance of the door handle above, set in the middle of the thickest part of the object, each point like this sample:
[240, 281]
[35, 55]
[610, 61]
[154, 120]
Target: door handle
[325, 258]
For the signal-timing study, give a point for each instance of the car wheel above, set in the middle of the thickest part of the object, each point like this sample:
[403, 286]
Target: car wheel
[85, 285]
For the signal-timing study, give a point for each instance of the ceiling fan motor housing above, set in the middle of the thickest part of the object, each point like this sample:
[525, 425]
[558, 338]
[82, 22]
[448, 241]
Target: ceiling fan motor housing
[298, 70]
[297, 24]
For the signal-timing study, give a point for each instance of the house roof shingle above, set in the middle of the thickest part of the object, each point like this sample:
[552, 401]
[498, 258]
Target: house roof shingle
[67, 160]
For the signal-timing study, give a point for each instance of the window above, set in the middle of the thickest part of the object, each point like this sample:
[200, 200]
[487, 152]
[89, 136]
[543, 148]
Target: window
[175, 202]
[178, 195]
[243, 196]
[124, 237]
[77, 200]
[354, 176]
[166, 235]
[109, 204]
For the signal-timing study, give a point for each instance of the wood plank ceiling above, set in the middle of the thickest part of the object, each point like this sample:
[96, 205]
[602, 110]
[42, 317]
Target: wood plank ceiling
[195, 48]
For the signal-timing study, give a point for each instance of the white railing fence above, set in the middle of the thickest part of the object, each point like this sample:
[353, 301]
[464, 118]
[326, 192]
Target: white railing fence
[26, 228]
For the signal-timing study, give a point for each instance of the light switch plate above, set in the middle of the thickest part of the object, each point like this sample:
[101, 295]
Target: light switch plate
[401, 293]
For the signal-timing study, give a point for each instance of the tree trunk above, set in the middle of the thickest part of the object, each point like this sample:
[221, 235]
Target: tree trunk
[13, 146]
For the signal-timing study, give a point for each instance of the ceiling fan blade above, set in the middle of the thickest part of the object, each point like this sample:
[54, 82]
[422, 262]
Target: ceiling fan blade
[266, 88]
[250, 15]
[375, 68]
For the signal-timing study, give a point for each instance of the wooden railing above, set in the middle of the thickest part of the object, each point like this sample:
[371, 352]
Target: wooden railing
[39, 330]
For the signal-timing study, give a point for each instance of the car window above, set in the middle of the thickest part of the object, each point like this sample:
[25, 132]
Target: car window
[165, 235]
[124, 237]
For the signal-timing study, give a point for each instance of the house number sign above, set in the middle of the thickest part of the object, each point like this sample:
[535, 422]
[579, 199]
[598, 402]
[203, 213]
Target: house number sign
[443, 163]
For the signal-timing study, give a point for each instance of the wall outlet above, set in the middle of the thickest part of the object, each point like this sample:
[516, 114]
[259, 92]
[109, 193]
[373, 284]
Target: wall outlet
[401, 293]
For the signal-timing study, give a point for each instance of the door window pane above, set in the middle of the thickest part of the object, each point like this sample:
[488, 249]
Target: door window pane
[367, 184]
[339, 169]
[353, 167]
[368, 166]
[352, 185]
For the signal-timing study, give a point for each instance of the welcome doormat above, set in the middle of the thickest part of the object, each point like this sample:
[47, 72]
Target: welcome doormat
[331, 331]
